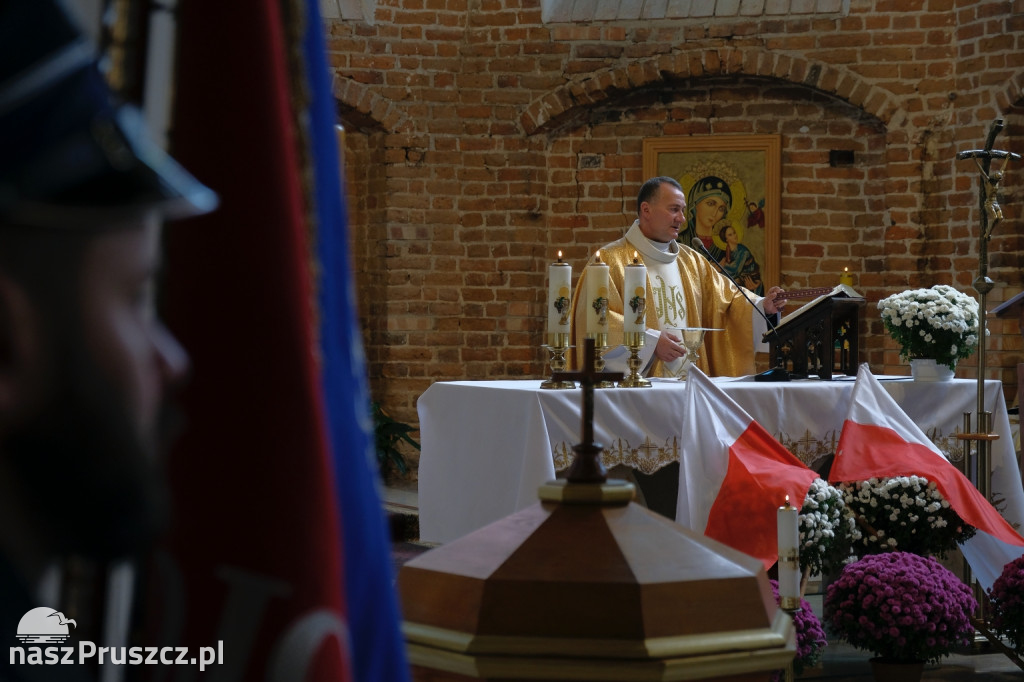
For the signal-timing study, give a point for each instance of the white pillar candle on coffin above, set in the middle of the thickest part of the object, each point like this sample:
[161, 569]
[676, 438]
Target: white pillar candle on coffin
[634, 296]
[559, 296]
[597, 297]
[789, 540]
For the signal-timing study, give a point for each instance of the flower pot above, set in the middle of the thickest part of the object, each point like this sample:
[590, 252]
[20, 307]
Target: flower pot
[889, 670]
[926, 369]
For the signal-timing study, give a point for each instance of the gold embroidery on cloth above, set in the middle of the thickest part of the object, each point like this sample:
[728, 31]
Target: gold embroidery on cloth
[647, 457]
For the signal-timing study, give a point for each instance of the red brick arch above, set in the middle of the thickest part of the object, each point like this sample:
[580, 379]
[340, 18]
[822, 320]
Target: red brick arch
[589, 90]
[365, 108]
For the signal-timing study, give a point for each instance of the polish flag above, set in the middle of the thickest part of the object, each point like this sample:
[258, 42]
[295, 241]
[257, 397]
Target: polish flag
[733, 474]
[879, 440]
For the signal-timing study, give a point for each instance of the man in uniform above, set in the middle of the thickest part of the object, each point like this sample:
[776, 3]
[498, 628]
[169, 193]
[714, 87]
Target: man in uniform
[85, 364]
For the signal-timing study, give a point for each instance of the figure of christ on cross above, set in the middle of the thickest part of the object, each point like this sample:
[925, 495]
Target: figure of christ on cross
[989, 218]
[587, 466]
[991, 213]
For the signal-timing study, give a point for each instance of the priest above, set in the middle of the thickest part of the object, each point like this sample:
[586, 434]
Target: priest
[684, 289]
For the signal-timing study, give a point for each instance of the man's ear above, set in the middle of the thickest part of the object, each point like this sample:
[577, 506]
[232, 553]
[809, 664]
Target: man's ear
[20, 344]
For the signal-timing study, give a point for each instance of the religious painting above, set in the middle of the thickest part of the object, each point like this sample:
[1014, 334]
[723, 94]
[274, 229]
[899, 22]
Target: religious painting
[732, 186]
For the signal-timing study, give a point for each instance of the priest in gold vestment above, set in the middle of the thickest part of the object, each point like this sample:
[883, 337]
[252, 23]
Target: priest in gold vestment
[684, 289]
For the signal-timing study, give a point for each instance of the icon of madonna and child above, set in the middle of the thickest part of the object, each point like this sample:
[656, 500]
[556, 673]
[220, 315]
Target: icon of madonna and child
[722, 220]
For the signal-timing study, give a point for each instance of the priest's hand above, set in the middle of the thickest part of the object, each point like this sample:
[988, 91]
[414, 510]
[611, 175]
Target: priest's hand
[775, 300]
[669, 347]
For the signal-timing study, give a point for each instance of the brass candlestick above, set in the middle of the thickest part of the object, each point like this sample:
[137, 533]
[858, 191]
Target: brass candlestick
[601, 347]
[634, 341]
[557, 345]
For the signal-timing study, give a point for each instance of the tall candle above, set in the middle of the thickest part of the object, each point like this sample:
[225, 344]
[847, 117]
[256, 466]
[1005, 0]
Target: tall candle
[789, 557]
[559, 296]
[846, 278]
[597, 297]
[635, 294]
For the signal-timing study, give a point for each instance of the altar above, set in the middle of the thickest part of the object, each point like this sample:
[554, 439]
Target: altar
[488, 445]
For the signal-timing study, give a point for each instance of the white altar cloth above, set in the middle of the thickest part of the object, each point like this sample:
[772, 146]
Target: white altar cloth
[488, 445]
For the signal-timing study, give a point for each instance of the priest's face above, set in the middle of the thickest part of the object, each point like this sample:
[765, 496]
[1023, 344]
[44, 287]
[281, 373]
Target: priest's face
[663, 217]
[85, 457]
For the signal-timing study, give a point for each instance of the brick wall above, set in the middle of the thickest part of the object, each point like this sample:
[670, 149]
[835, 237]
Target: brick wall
[480, 141]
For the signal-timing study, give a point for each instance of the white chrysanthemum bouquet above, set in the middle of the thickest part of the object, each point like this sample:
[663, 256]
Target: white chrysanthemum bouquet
[939, 323]
[905, 513]
[826, 529]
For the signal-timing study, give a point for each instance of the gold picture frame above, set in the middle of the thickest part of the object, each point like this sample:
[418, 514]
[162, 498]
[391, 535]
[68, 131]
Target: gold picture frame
[730, 181]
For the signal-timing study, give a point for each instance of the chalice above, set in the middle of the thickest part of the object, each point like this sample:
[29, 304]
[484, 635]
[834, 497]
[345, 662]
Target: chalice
[693, 339]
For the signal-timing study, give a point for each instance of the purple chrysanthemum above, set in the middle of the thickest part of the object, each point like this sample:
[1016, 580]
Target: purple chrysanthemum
[1007, 598]
[900, 605]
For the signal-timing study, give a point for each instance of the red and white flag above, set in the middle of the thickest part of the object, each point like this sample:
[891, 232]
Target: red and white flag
[733, 474]
[879, 440]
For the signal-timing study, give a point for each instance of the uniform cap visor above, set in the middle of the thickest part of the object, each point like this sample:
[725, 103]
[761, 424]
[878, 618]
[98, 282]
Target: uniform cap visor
[70, 155]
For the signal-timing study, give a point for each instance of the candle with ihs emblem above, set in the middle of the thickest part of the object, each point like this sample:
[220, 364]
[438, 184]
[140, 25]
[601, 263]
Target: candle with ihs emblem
[597, 297]
[559, 296]
[635, 294]
[789, 556]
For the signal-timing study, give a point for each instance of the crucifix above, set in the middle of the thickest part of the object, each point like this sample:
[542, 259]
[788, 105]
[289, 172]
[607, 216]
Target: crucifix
[587, 466]
[982, 435]
[991, 214]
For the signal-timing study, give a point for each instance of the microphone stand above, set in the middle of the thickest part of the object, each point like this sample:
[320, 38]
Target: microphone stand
[776, 373]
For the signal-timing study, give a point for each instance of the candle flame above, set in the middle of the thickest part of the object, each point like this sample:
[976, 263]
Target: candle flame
[846, 269]
[559, 256]
[787, 500]
[597, 257]
[635, 257]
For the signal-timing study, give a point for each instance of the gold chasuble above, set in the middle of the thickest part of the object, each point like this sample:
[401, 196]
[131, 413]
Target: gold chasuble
[709, 300]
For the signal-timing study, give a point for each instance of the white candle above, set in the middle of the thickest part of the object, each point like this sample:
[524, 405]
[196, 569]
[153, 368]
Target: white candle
[597, 297]
[634, 295]
[559, 296]
[789, 561]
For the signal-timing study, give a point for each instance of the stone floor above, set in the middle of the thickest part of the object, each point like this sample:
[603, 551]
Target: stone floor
[845, 664]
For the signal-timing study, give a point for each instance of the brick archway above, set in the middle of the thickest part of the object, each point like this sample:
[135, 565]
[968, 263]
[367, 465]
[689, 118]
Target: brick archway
[548, 111]
[365, 108]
